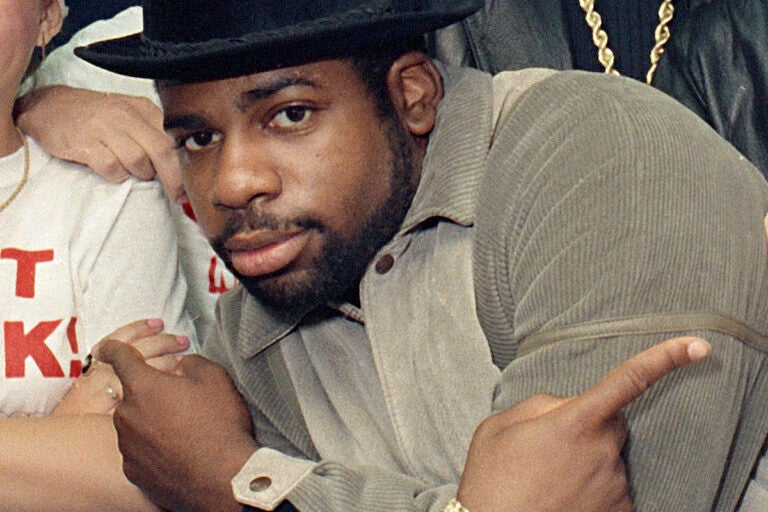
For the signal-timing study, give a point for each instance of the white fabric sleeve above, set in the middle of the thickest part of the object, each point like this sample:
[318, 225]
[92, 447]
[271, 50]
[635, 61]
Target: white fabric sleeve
[134, 273]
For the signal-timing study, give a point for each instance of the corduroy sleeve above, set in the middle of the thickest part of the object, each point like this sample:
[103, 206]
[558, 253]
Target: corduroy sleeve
[612, 218]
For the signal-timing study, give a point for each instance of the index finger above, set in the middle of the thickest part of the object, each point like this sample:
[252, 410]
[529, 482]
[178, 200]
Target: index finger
[630, 379]
[136, 330]
[126, 360]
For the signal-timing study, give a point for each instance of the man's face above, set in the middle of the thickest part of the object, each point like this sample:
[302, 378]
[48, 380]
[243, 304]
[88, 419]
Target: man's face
[294, 178]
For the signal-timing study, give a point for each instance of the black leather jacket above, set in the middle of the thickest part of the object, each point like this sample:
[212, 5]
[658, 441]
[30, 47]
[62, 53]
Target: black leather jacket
[514, 34]
[508, 35]
[717, 65]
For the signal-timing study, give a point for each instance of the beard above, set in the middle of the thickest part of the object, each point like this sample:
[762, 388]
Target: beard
[335, 273]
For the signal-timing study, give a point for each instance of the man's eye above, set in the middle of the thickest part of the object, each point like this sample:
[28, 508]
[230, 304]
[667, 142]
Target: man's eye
[291, 116]
[199, 140]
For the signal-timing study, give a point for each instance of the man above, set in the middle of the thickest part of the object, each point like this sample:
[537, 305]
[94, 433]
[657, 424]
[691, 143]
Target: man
[423, 246]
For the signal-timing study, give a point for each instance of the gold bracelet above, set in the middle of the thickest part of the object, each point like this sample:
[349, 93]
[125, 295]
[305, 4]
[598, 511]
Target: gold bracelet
[455, 506]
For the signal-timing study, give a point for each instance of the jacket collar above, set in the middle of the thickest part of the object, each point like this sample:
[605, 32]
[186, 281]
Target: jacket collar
[452, 170]
[260, 326]
[458, 145]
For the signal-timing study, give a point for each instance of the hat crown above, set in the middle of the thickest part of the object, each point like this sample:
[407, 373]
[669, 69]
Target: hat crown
[195, 21]
[199, 40]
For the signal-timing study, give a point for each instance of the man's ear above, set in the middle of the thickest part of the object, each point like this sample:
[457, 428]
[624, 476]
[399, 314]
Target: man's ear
[416, 88]
[51, 20]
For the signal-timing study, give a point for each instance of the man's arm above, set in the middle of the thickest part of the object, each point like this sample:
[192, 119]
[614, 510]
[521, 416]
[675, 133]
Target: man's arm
[561, 430]
[528, 456]
[610, 236]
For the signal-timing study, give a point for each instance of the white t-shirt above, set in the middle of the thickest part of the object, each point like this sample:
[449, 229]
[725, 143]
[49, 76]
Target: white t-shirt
[79, 257]
[206, 274]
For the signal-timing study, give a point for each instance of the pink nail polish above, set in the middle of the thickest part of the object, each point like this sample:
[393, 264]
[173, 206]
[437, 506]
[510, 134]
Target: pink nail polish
[182, 340]
[155, 323]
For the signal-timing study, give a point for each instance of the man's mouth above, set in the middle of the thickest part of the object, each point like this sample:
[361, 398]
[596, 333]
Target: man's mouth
[258, 253]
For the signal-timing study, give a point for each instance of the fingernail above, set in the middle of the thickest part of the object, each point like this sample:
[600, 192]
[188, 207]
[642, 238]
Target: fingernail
[155, 323]
[182, 340]
[179, 357]
[698, 349]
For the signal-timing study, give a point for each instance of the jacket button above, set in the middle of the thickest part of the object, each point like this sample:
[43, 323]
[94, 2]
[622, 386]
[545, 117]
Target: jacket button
[385, 263]
[260, 484]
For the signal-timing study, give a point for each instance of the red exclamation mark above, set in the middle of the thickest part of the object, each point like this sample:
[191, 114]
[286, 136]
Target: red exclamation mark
[76, 365]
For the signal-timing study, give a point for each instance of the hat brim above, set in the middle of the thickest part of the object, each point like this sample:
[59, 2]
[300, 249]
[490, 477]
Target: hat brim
[253, 53]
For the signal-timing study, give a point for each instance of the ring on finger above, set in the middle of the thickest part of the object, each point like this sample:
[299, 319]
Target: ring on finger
[112, 392]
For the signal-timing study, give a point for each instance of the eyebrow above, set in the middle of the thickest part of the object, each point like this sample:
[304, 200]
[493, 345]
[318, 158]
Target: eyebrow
[248, 98]
[185, 122]
[271, 88]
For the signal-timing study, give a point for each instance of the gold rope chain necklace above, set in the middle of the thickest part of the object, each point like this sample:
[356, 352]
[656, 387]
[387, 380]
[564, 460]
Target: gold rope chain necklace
[600, 38]
[23, 177]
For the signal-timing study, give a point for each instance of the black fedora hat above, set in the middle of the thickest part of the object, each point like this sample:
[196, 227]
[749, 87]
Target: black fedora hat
[199, 40]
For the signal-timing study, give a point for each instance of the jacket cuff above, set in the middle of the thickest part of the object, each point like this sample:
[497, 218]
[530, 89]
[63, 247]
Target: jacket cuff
[267, 477]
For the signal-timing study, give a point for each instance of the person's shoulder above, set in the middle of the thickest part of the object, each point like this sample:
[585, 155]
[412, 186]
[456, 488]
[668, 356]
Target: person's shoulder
[84, 190]
[509, 86]
[594, 86]
[77, 174]
[543, 93]
[521, 79]
[67, 176]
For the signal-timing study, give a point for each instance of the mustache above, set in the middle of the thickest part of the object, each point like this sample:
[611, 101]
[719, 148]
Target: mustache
[248, 220]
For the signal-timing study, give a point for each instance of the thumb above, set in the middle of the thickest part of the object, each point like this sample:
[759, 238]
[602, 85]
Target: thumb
[199, 368]
[126, 360]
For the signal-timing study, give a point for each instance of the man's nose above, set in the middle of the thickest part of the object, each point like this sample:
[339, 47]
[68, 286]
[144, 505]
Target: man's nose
[244, 173]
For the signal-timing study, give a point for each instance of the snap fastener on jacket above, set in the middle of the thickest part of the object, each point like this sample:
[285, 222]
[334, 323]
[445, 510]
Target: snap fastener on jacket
[385, 263]
[260, 484]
